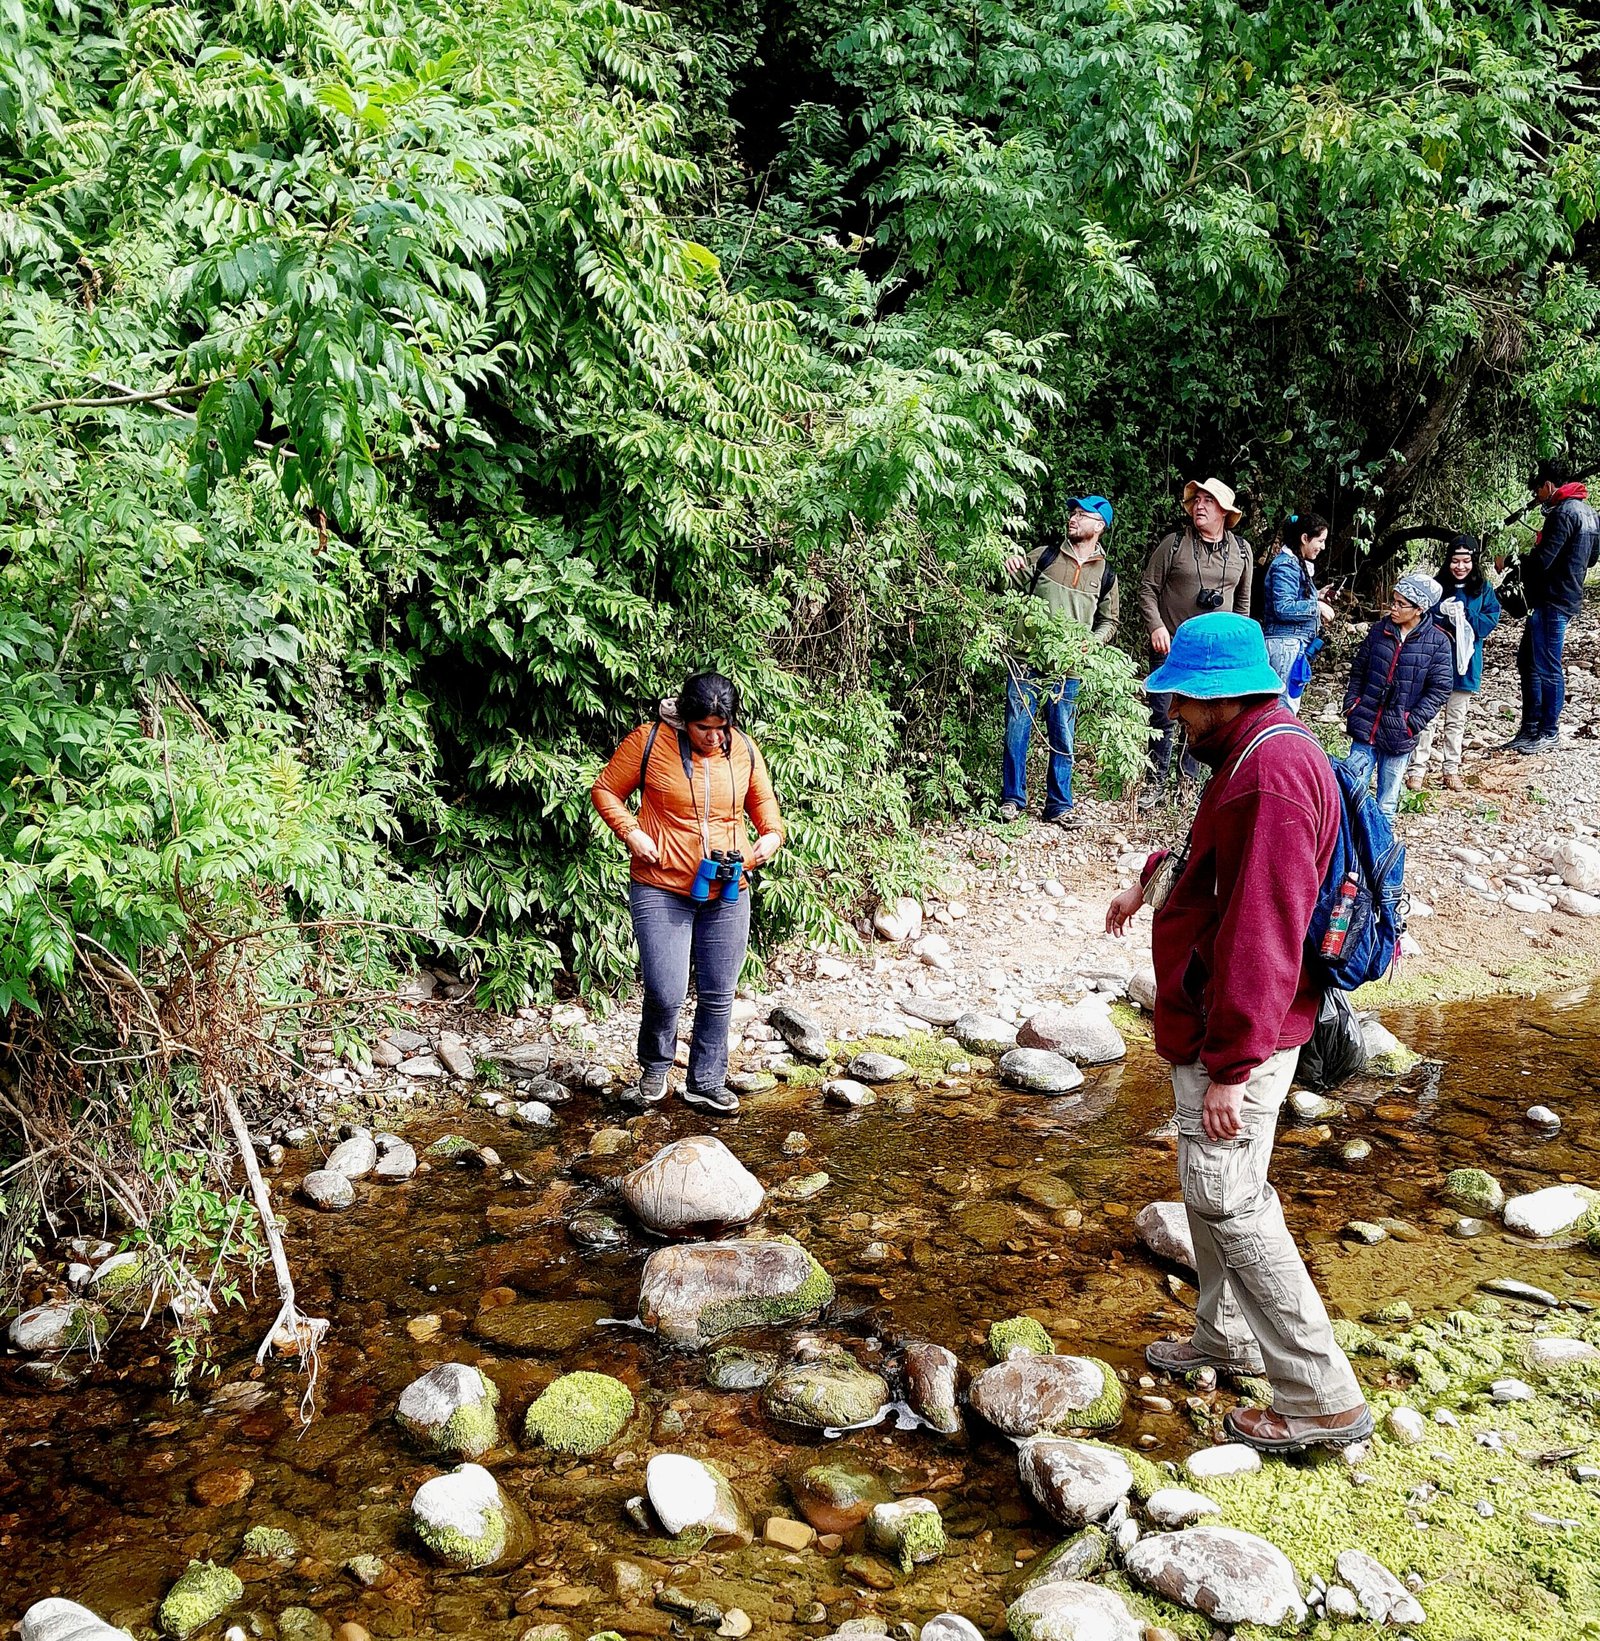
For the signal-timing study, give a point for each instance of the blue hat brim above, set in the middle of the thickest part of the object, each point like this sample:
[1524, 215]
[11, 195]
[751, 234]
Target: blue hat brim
[1168, 679]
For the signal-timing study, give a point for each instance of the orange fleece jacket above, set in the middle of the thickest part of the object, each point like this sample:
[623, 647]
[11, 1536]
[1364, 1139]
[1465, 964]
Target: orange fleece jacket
[737, 784]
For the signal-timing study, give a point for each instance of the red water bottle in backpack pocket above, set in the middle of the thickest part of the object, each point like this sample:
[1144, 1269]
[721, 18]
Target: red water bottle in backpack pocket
[1339, 924]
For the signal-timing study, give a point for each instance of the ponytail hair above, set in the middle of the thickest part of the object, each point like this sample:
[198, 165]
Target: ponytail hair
[1297, 525]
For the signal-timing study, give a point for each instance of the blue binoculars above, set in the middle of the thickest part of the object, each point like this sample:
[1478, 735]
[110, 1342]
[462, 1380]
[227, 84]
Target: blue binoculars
[724, 867]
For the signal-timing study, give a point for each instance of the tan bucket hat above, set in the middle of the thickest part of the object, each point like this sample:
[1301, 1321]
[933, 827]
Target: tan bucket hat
[1218, 492]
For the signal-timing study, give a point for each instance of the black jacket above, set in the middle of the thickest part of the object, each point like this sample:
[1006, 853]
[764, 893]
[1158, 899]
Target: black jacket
[1397, 686]
[1555, 567]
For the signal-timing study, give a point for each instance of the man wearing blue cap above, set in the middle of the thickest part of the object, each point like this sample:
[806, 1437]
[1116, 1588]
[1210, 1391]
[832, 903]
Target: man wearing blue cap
[1075, 580]
[1236, 999]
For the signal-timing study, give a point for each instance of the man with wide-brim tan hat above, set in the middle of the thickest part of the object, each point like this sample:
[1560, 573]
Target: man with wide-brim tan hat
[1197, 570]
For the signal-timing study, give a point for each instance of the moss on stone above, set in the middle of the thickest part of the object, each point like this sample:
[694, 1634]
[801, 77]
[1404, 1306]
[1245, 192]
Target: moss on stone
[1019, 1333]
[450, 1145]
[798, 1305]
[271, 1544]
[1148, 1476]
[468, 1433]
[454, 1547]
[921, 1539]
[204, 1591]
[1474, 1190]
[1106, 1409]
[580, 1413]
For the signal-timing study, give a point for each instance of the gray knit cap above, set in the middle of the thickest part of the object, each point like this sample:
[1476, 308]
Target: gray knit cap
[1419, 589]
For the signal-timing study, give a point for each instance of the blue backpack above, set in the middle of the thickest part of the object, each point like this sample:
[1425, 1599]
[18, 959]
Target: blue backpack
[1361, 907]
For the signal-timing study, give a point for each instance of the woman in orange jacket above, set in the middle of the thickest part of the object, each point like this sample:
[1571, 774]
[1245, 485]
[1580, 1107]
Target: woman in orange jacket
[698, 775]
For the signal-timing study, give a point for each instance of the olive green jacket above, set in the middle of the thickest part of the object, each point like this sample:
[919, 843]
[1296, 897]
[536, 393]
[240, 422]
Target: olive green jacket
[1084, 591]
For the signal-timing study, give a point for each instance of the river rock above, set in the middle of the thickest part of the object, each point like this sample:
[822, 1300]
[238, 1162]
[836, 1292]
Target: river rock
[355, 1157]
[1474, 1191]
[984, 1034]
[1074, 1482]
[687, 1493]
[835, 1497]
[1174, 1507]
[1080, 1556]
[872, 1067]
[692, 1185]
[1081, 1031]
[1553, 1352]
[1384, 1599]
[329, 1190]
[1407, 1426]
[1163, 1227]
[801, 1031]
[533, 1114]
[1038, 1071]
[1511, 1288]
[1578, 865]
[461, 1517]
[698, 1293]
[834, 1392]
[1551, 1212]
[451, 1411]
[908, 1530]
[398, 1163]
[1231, 1576]
[522, 1062]
[1226, 1459]
[847, 1091]
[732, 1367]
[932, 1373]
[950, 1627]
[1035, 1395]
[1142, 988]
[1072, 1611]
[204, 1591]
[55, 1619]
[46, 1329]
[1577, 904]
[899, 921]
[1017, 1335]
[931, 1011]
[453, 1055]
[544, 1327]
[1387, 1056]
[580, 1413]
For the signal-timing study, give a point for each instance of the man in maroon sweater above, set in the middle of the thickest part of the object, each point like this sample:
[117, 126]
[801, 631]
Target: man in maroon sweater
[1235, 1001]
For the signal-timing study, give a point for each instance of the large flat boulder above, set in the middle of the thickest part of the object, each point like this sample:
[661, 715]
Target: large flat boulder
[699, 1293]
[1232, 1577]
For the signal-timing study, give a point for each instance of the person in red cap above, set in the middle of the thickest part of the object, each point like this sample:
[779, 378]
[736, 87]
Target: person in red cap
[1235, 1002]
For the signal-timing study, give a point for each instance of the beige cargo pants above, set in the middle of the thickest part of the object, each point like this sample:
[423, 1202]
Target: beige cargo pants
[1258, 1308]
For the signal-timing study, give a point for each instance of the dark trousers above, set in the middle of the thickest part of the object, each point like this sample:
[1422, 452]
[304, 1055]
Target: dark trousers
[1544, 677]
[1164, 731]
[674, 934]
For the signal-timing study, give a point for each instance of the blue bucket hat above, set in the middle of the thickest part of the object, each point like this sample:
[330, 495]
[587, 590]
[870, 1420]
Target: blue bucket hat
[1092, 504]
[1215, 656]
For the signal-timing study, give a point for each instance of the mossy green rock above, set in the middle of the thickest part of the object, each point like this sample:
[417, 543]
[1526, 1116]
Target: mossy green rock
[302, 1624]
[698, 1293]
[1019, 1333]
[271, 1544]
[580, 1413]
[451, 1411]
[1474, 1190]
[1035, 1394]
[1080, 1556]
[204, 1591]
[834, 1392]
[836, 1498]
[461, 1517]
[910, 1530]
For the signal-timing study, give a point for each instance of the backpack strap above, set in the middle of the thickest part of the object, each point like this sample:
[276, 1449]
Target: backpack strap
[1267, 734]
[1046, 559]
[644, 762]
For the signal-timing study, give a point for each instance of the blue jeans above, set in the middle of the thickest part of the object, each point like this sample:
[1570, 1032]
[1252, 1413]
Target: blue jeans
[1544, 679]
[1362, 760]
[1024, 696]
[674, 932]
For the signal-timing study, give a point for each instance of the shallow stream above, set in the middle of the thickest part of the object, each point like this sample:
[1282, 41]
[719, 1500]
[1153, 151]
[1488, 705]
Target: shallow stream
[946, 1209]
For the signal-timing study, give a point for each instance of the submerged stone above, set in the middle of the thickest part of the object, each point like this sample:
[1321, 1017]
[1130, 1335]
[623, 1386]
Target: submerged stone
[832, 1393]
[1018, 1334]
[549, 1328]
[730, 1367]
[204, 1591]
[836, 1497]
[580, 1413]
[1474, 1191]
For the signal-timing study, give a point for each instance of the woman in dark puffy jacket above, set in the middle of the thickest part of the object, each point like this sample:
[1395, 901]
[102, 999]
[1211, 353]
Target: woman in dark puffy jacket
[1401, 676]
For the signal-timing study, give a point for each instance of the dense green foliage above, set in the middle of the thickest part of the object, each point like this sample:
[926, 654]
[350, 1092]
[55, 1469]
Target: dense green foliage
[396, 401]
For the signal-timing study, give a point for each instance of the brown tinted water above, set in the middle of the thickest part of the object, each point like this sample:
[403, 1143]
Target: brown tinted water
[947, 1209]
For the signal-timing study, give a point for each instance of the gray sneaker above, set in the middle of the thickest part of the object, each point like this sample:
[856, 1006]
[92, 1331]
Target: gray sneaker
[723, 1101]
[1009, 812]
[653, 1086]
[1546, 743]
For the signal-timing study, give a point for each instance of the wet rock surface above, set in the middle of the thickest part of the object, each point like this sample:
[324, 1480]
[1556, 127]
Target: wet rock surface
[1072, 1481]
[694, 1184]
[1231, 1576]
[1033, 1395]
[696, 1295]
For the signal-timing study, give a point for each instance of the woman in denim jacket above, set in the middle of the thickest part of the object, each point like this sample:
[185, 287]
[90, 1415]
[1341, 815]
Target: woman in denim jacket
[1292, 614]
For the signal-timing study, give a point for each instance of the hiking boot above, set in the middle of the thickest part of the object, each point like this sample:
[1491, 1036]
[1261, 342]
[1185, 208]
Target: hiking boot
[723, 1101]
[1270, 1432]
[1454, 783]
[1414, 779]
[1149, 798]
[1180, 1356]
